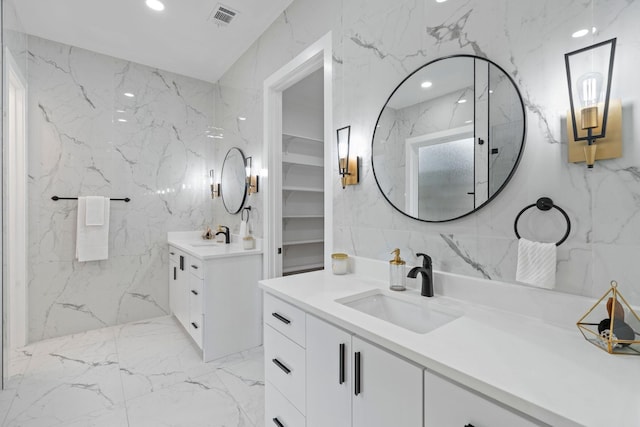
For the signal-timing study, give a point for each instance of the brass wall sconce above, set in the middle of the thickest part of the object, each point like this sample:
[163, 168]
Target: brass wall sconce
[214, 186]
[593, 116]
[252, 180]
[348, 166]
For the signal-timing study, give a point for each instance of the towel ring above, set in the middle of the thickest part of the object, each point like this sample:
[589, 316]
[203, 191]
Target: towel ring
[545, 204]
[248, 210]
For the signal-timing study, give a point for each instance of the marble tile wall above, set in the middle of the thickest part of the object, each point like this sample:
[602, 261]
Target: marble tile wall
[87, 138]
[378, 42]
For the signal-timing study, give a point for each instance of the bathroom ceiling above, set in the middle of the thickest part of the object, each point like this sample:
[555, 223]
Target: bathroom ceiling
[183, 38]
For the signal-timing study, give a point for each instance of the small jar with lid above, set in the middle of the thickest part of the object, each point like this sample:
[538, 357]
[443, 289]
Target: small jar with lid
[397, 277]
[339, 263]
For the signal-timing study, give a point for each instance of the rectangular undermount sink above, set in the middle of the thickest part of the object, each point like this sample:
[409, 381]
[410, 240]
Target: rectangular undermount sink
[417, 316]
[208, 243]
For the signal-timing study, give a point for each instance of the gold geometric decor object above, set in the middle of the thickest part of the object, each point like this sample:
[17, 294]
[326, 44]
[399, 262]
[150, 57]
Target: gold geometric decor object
[619, 331]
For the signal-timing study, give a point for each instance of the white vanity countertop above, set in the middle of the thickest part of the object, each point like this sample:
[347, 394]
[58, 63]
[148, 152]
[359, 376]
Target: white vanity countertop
[548, 372]
[192, 243]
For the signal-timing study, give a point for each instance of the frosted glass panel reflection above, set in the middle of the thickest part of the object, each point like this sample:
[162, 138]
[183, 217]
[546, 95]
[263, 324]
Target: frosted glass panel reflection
[445, 178]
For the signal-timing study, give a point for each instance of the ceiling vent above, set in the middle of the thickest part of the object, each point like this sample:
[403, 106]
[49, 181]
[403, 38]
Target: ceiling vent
[222, 15]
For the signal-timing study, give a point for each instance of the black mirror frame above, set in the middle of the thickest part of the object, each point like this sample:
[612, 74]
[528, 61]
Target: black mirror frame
[515, 166]
[244, 196]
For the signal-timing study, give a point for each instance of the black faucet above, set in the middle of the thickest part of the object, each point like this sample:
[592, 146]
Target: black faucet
[427, 275]
[225, 232]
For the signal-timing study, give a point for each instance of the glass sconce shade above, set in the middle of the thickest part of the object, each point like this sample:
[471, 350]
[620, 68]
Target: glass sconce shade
[589, 72]
[344, 136]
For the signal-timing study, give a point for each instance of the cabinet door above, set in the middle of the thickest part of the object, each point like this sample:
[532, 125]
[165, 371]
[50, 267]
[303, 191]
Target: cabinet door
[387, 390]
[173, 285]
[447, 404]
[328, 375]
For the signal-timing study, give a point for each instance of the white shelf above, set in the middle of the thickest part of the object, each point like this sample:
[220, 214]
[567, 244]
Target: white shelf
[302, 268]
[289, 137]
[303, 242]
[302, 159]
[285, 216]
[307, 189]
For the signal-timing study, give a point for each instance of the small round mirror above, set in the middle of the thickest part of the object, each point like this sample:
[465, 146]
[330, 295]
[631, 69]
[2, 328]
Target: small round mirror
[449, 138]
[233, 184]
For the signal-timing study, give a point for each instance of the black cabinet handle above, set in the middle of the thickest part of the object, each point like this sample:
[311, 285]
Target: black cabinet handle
[194, 292]
[277, 422]
[281, 318]
[469, 425]
[194, 325]
[194, 266]
[341, 368]
[172, 253]
[356, 369]
[175, 273]
[181, 263]
[280, 365]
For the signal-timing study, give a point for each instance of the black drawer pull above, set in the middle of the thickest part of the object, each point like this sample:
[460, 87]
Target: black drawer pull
[194, 266]
[341, 367]
[469, 425]
[280, 365]
[175, 273]
[277, 422]
[281, 318]
[194, 325]
[356, 386]
[194, 292]
[181, 263]
[172, 253]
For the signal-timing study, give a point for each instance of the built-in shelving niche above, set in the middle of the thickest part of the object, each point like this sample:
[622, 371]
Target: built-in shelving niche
[302, 204]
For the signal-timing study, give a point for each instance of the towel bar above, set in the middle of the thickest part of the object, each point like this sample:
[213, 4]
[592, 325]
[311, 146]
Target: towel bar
[56, 198]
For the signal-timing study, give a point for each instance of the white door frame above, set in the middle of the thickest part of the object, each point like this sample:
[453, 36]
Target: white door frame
[316, 56]
[15, 175]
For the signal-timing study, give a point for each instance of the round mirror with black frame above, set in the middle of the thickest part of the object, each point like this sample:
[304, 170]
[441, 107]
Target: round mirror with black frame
[449, 138]
[233, 183]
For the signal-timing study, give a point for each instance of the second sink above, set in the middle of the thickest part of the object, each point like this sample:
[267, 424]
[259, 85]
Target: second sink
[416, 316]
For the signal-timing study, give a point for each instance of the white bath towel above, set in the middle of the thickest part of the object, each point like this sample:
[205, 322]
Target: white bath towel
[536, 263]
[95, 210]
[92, 241]
[244, 229]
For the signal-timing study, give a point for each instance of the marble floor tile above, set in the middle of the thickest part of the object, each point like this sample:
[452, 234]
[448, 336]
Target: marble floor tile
[140, 374]
[204, 403]
[245, 382]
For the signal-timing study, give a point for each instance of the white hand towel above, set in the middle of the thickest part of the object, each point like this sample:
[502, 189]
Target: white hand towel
[244, 228]
[95, 210]
[92, 241]
[536, 263]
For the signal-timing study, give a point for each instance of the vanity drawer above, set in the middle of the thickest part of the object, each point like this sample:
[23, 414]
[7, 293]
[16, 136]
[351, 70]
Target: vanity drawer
[285, 367]
[447, 404]
[285, 318]
[174, 254]
[195, 267]
[196, 319]
[277, 409]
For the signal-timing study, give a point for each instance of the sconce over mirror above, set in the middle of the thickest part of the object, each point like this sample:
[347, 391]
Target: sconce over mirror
[449, 138]
[348, 164]
[233, 185]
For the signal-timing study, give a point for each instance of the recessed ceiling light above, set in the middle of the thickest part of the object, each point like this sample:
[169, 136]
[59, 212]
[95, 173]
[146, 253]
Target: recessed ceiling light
[440, 1]
[122, 120]
[462, 101]
[120, 111]
[580, 33]
[426, 85]
[155, 5]
[242, 118]
[129, 95]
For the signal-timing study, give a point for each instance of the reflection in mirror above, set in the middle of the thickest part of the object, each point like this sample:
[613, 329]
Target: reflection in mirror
[448, 139]
[233, 184]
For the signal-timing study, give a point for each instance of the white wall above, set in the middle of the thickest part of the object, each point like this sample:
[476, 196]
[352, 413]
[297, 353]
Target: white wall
[378, 42]
[78, 146]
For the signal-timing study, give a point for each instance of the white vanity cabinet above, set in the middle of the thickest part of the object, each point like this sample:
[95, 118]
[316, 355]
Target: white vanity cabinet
[351, 382]
[217, 300]
[448, 404]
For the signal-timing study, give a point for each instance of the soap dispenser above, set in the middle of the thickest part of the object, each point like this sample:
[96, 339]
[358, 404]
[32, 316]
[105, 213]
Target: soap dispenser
[396, 272]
